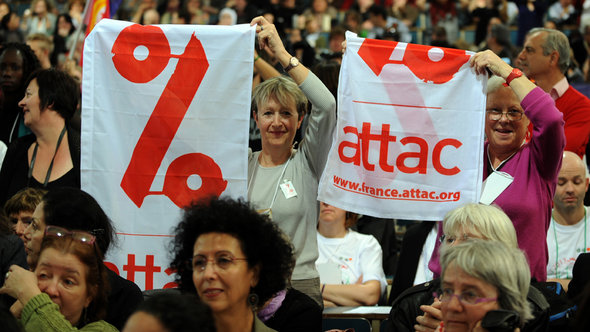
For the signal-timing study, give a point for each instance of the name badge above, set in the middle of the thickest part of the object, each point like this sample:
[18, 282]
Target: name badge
[288, 189]
[494, 185]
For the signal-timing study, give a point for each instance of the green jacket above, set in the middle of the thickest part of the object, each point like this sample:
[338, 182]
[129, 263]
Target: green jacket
[42, 314]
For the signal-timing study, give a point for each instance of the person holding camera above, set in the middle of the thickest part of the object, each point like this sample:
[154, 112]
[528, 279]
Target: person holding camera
[484, 287]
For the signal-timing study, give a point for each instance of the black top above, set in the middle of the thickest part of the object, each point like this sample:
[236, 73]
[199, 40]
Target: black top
[14, 172]
[412, 245]
[580, 276]
[297, 313]
[12, 251]
[124, 298]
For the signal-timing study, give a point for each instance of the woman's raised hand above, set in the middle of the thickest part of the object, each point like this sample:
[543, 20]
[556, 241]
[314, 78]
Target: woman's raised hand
[488, 60]
[21, 284]
[268, 35]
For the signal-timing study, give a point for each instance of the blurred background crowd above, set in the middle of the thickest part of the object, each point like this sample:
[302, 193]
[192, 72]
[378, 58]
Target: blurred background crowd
[314, 29]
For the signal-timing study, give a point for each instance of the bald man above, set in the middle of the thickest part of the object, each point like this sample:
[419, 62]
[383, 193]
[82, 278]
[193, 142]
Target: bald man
[568, 234]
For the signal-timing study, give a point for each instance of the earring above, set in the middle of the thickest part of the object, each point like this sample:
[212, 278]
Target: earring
[253, 301]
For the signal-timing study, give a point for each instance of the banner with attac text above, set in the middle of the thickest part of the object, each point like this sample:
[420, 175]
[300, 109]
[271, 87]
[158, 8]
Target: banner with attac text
[409, 139]
[165, 119]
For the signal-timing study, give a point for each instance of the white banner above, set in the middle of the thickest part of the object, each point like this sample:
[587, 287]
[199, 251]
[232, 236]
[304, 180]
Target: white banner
[409, 139]
[165, 118]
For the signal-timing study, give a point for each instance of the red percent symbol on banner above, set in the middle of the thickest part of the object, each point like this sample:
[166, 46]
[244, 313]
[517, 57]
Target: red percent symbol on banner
[430, 64]
[166, 117]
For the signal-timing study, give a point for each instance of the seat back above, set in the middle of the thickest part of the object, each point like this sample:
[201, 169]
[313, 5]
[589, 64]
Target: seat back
[357, 324]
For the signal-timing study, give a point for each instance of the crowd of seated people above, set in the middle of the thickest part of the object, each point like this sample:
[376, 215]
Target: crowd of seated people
[313, 21]
[232, 279]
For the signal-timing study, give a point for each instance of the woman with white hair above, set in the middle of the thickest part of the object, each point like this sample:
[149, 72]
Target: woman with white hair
[479, 276]
[417, 310]
[525, 140]
[486, 222]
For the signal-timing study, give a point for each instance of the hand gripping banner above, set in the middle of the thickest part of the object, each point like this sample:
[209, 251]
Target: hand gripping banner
[165, 118]
[409, 138]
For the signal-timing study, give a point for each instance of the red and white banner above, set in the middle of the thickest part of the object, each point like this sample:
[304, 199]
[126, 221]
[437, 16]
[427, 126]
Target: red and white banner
[409, 139]
[165, 119]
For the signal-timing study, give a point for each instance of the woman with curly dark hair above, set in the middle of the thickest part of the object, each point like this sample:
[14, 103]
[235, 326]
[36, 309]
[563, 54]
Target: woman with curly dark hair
[251, 260]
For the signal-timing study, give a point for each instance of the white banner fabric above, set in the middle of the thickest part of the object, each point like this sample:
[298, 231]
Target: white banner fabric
[165, 118]
[409, 138]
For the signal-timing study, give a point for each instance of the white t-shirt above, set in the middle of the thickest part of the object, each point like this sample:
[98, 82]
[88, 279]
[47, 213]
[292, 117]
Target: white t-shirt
[354, 255]
[570, 243]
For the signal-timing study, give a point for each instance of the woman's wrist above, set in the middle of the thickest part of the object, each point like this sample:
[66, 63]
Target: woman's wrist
[284, 58]
[27, 294]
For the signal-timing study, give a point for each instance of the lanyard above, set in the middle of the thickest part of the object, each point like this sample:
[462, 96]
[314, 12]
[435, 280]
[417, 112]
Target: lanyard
[48, 175]
[557, 244]
[501, 163]
[274, 197]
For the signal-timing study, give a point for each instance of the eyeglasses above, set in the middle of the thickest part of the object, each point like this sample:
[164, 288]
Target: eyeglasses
[223, 262]
[467, 297]
[496, 115]
[451, 239]
[79, 236]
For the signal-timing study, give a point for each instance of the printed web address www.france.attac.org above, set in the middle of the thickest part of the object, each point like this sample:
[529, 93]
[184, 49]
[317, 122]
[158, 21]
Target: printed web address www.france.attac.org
[413, 194]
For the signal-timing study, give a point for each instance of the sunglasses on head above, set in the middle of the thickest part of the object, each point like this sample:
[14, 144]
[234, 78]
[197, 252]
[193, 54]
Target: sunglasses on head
[79, 236]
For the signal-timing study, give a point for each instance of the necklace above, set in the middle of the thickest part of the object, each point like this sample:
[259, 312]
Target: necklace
[34, 157]
[557, 244]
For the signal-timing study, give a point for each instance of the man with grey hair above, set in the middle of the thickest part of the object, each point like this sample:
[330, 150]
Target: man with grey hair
[544, 58]
[568, 231]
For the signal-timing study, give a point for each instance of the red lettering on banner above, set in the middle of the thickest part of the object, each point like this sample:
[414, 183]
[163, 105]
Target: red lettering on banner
[166, 117]
[422, 156]
[383, 152]
[170, 271]
[436, 156]
[430, 64]
[356, 158]
[149, 269]
[360, 148]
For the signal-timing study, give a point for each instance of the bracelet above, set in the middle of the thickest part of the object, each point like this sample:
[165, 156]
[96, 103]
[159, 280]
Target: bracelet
[257, 57]
[322, 291]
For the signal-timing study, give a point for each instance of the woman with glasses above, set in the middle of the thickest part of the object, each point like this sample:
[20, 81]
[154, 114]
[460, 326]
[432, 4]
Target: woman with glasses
[525, 142]
[67, 290]
[416, 309]
[73, 208]
[234, 258]
[479, 276]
